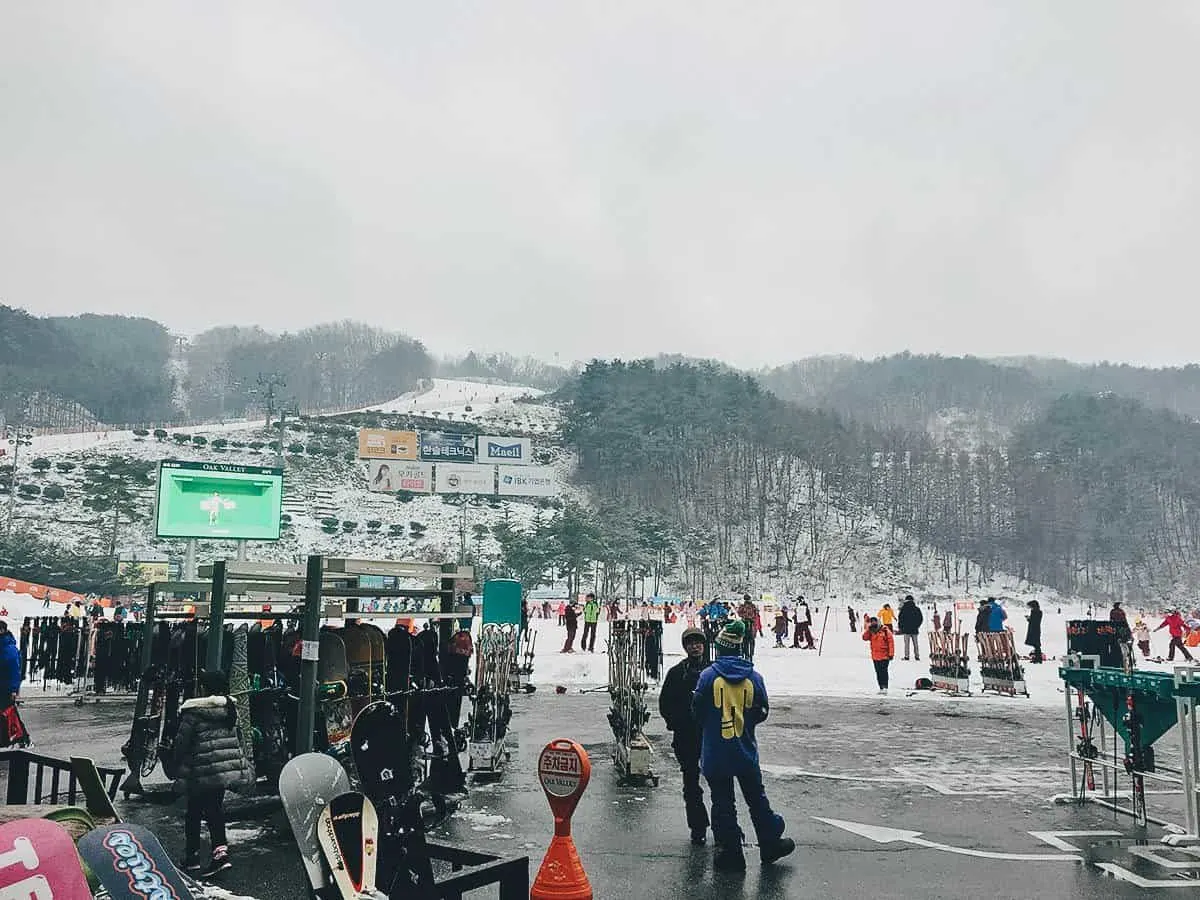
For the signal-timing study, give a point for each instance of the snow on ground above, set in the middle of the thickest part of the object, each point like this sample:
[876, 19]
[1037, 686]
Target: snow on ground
[449, 399]
[844, 667]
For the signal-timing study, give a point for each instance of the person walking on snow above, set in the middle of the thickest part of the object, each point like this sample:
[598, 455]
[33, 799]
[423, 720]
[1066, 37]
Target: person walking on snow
[675, 706]
[803, 626]
[749, 615]
[208, 760]
[997, 616]
[730, 701]
[570, 617]
[591, 615]
[909, 622]
[781, 625]
[1033, 632]
[883, 648]
[1141, 634]
[1175, 626]
[887, 617]
[1120, 621]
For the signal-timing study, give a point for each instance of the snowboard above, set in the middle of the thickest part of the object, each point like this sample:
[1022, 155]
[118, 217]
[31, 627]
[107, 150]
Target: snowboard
[306, 785]
[99, 804]
[358, 658]
[378, 741]
[332, 673]
[239, 690]
[38, 860]
[349, 836]
[378, 659]
[132, 864]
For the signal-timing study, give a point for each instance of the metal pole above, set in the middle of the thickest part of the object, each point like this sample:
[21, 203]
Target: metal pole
[189, 560]
[241, 551]
[216, 617]
[1071, 743]
[1183, 716]
[309, 654]
[148, 630]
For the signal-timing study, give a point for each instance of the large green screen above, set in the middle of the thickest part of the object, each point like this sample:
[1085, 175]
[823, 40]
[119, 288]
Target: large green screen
[219, 501]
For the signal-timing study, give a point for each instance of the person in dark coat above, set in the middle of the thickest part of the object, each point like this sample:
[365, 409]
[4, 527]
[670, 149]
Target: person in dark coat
[803, 618]
[571, 620]
[909, 622]
[1120, 621]
[675, 706]
[208, 760]
[1033, 631]
[730, 700]
[983, 618]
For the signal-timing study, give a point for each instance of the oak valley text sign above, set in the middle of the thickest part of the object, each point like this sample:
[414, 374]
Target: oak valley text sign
[512, 451]
[388, 477]
[437, 446]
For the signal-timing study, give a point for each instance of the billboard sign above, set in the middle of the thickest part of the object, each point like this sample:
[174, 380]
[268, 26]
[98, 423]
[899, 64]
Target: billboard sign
[144, 571]
[511, 451]
[451, 448]
[379, 443]
[390, 476]
[218, 501]
[527, 481]
[455, 479]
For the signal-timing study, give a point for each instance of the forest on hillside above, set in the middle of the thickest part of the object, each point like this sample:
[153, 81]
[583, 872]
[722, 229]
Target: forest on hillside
[992, 397]
[71, 372]
[1096, 494]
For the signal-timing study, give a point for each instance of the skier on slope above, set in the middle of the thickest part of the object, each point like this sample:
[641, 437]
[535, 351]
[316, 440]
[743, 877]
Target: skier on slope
[730, 700]
[675, 706]
[1175, 627]
[803, 619]
[909, 626]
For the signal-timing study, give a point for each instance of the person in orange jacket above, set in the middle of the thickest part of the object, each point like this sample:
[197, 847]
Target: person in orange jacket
[883, 648]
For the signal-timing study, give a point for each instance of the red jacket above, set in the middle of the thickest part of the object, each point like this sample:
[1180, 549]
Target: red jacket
[1174, 624]
[883, 645]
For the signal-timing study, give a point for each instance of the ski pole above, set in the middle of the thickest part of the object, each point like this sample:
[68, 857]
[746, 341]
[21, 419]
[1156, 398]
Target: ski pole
[821, 642]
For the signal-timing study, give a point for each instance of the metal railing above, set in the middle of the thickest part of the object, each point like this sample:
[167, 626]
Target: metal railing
[62, 786]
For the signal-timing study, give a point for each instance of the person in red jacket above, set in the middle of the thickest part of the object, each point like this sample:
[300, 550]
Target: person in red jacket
[883, 648]
[1175, 627]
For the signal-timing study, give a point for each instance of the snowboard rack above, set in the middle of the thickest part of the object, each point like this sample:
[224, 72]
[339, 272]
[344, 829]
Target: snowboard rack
[628, 713]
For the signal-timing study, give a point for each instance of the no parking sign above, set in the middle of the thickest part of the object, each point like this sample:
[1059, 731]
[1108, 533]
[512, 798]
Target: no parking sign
[564, 771]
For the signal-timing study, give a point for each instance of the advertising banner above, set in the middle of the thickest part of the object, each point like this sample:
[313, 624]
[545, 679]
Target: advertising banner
[219, 501]
[454, 479]
[144, 571]
[388, 477]
[511, 451]
[451, 448]
[379, 443]
[527, 481]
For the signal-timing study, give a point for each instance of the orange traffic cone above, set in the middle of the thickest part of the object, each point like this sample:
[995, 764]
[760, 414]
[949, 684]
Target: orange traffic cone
[561, 876]
[564, 771]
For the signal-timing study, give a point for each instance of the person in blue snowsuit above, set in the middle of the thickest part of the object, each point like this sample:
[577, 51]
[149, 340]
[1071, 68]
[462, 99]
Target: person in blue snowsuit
[10, 667]
[730, 700]
[997, 616]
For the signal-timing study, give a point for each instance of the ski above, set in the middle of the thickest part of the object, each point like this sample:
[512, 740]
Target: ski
[131, 864]
[38, 860]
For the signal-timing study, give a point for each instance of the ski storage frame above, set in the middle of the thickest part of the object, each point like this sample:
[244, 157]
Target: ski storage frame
[628, 713]
[495, 659]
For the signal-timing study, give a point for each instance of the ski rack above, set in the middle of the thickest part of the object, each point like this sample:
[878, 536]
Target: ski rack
[949, 662]
[627, 689]
[495, 658]
[1139, 708]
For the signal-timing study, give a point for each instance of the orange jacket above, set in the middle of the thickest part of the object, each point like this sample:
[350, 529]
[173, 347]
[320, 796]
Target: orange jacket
[883, 645]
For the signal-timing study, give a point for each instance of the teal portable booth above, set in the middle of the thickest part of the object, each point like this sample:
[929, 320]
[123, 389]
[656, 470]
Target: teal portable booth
[502, 602]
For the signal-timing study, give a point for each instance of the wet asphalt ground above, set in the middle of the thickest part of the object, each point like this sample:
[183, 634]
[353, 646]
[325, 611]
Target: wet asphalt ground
[964, 785]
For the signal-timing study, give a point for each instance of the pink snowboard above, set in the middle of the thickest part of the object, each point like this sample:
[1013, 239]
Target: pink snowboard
[38, 860]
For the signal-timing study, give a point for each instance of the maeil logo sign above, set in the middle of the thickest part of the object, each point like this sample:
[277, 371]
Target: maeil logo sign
[512, 451]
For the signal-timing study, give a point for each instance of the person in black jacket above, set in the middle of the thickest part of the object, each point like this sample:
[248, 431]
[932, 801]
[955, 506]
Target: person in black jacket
[983, 617]
[1033, 633]
[909, 625]
[675, 705]
[208, 759]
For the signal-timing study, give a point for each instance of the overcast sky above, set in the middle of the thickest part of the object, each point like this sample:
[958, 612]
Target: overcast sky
[752, 181]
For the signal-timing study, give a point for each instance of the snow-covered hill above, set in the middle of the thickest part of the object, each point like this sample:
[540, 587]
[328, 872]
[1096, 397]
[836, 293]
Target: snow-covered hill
[317, 486]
